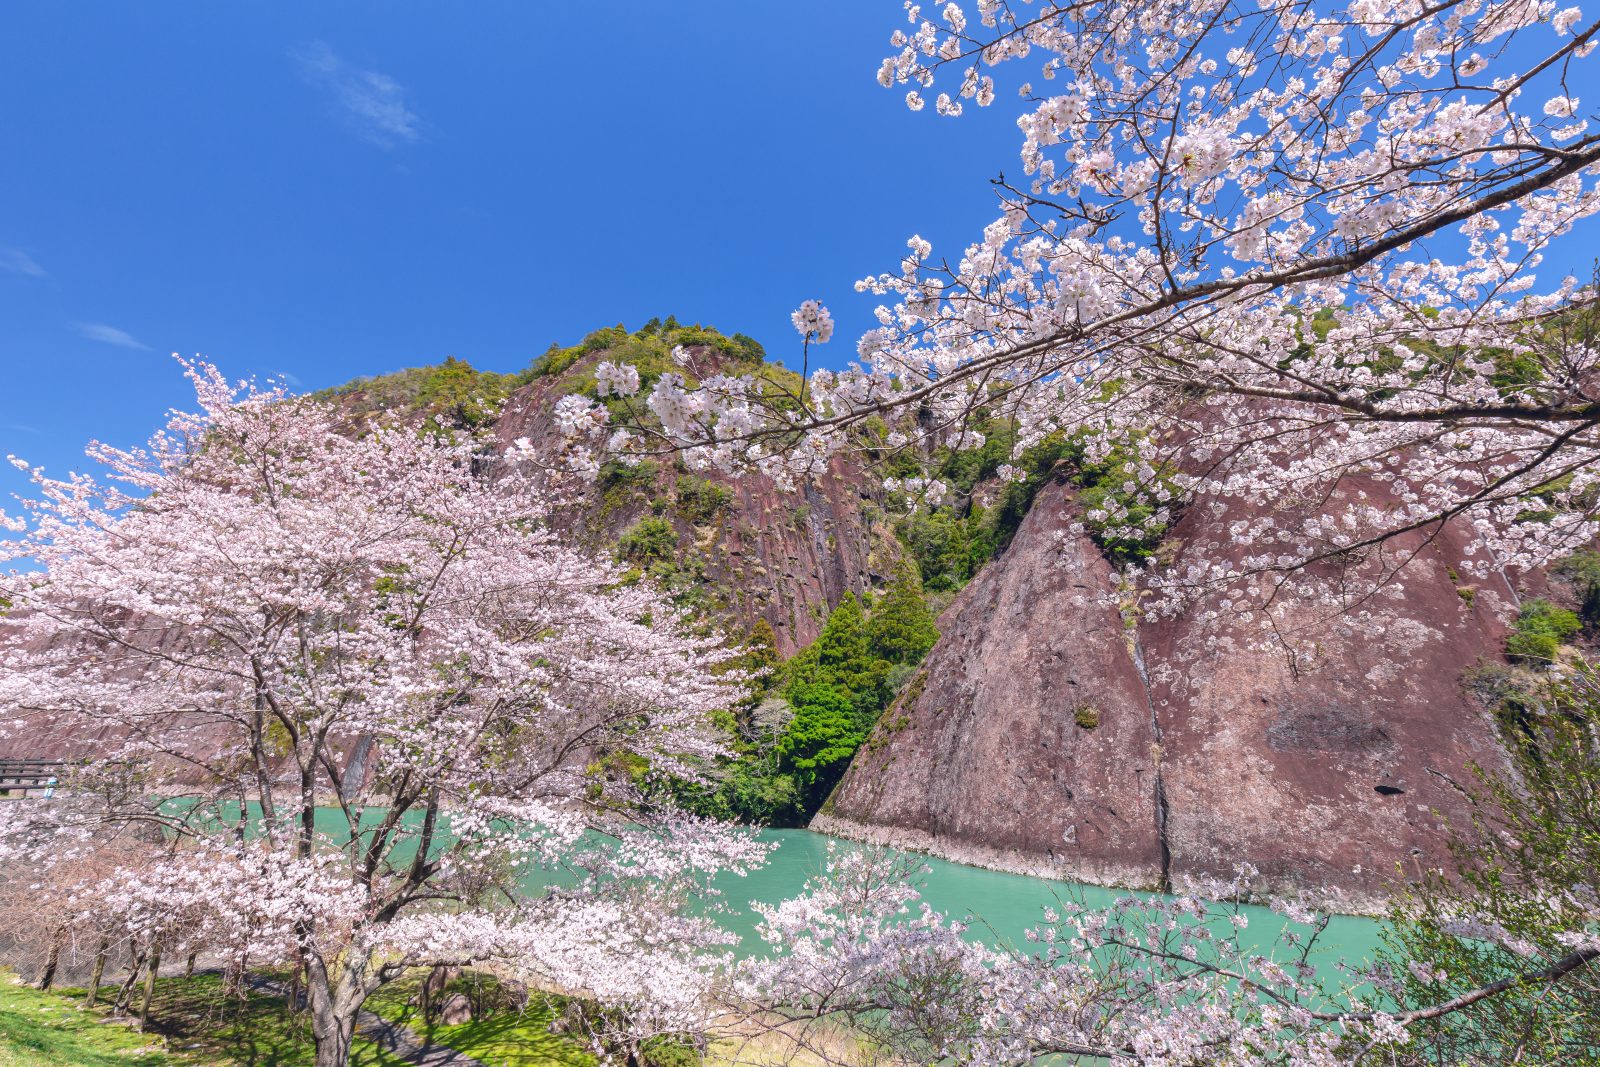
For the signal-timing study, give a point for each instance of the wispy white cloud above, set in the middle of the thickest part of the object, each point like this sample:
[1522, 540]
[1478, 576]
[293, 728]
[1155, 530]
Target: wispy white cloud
[110, 335]
[372, 104]
[17, 261]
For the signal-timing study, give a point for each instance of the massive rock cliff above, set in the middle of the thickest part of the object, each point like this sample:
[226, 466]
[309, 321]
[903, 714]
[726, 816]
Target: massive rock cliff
[1047, 732]
[785, 556]
[1049, 736]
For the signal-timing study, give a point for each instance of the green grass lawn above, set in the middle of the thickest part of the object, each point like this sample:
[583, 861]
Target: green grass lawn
[49, 1030]
[192, 1022]
[504, 1038]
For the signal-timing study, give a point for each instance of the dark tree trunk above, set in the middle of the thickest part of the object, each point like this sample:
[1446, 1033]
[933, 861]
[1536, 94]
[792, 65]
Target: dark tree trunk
[100, 954]
[127, 987]
[47, 977]
[149, 984]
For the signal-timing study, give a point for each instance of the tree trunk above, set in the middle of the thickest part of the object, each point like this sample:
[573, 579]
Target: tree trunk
[100, 954]
[47, 977]
[149, 984]
[332, 1038]
[127, 987]
[334, 1000]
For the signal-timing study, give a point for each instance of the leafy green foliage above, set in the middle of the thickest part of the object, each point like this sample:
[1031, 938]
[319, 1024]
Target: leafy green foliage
[557, 360]
[1582, 569]
[648, 348]
[700, 499]
[650, 540]
[453, 393]
[947, 547]
[950, 546]
[797, 732]
[839, 686]
[759, 658]
[1537, 635]
[902, 629]
[1525, 872]
[842, 657]
[1111, 484]
[823, 736]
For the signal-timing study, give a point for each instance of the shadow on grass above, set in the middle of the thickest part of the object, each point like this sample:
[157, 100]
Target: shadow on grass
[504, 1038]
[48, 1030]
[198, 1018]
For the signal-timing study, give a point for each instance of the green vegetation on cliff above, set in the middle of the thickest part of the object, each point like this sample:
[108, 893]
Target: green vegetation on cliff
[453, 392]
[1525, 873]
[1539, 631]
[805, 719]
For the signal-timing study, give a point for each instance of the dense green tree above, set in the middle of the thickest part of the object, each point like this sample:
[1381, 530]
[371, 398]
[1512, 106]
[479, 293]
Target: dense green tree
[1520, 906]
[759, 658]
[902, 629]
[940, 543]
[821, 738]
[842, 657]
[757, 791]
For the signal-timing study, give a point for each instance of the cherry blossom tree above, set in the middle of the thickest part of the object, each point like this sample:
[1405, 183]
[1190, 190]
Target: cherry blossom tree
[343, 702]
[1154, 981]
[1280, 251]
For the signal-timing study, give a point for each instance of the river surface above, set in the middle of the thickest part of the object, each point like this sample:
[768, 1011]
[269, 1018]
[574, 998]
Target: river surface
[1002, 907]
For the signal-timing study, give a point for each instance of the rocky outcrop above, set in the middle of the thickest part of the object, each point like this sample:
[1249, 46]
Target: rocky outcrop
[1049, 737]
[786, 556]
[1026, 741]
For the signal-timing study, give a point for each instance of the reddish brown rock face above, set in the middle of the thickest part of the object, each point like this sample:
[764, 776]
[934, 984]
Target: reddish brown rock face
[1211, 749]
[984, 758]
[786, 556]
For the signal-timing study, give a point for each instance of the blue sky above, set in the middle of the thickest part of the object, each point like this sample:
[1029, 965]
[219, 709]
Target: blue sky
[328, 190]
[325, 191]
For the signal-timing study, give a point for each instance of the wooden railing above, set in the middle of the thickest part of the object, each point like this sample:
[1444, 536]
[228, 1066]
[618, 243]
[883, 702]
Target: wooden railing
[23, 775]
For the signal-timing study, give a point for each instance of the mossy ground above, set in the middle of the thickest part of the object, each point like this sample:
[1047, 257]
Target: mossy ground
[49, 1030]
[192, 1022]
[503, 1037]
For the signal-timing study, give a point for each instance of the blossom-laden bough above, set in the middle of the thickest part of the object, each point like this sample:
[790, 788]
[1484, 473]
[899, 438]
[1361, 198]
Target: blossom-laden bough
[1493, 961]
[342, 702]
[1283, 251]
[1152, 981]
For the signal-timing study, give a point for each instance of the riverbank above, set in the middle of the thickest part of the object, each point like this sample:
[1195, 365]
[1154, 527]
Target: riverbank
[1032, 865]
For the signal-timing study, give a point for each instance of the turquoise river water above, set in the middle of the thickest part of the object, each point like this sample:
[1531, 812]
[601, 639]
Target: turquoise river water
[1002, 906]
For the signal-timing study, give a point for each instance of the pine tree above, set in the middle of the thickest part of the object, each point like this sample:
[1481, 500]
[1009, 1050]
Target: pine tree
[760, 657]
[901, 629]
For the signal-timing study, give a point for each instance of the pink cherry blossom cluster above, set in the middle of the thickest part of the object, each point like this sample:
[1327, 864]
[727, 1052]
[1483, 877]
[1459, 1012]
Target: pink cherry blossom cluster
[1287, 254]
[339, 694]
[1156, 981]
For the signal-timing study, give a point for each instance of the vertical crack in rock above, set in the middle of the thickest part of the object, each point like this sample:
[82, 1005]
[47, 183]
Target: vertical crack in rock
[1136, 650]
